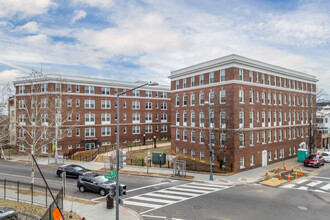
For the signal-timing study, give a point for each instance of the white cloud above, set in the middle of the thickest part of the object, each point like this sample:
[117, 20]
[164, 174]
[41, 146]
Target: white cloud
[25, 8]
[103, 4]
[77, 15]
[30, 27]
[10, 75]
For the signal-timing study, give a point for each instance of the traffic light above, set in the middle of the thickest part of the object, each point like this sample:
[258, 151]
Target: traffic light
[122, 159]
[212, 155]
[122, 189]
[112, 190]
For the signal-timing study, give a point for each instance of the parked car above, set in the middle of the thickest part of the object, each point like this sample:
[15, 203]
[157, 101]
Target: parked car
[72, 170]
[314, 160]
[326, 156]
[7, 213]
[94, 183]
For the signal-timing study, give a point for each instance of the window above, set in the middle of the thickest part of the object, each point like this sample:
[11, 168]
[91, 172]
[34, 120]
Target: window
[163, 95]
[44, 149]
[177, 137]
[136, 118]
[274, 99]
[57, 87]
[89, 119]
[263, 78]
[57, 103]
[241, 75]
[89, 132]
[251, 119]
[241, 119]
[69, 117]
[89, 89]
[21, 89]
[77, 102]
[136, 129]
[77, 117]
[136, 105]
[148, 129]
[201, 98]
[251, 76]
[21, 147]
[211, 97]
[241, 162]
[192, 81]
[33, 103]
[274, 80]
[184, 100]
[212, 139]
[21, 104]
[222, 96]
[105, 118]
[192, 117]
[263, 119]
[184, 119]
[148, 105]
[211, 77]
[223, 138]
[192, 154]
[280, 135]
[223, 119]
[280, 99]
[192, 99]
[269, 79]
[105, 91]
[222, 75]
[69, 87]
[257, 77]
[241, 140]
[149, 94]
[77, 88]
[257, 96]
[263, 138]
[241, 96]
[269, 99]
[163, 106]
[201, 80]
[163, 128]
[201, 137]
[201, 119]
[251, 139]
[251, 97]
[184, 83]
[136, 93]
[177, 84]
[280, 82]
[69, 133]
[89, 103]
[263, 98]
[275, 136]
[251, 160]
[105, 104]
[177, 101]
[177, 119]
[44, 119]
[44, 87]
[163, 117]
[184, 138]
[201, 155]
[69, 102]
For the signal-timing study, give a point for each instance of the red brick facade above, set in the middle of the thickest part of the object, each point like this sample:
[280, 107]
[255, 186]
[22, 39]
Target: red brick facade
[291, 99]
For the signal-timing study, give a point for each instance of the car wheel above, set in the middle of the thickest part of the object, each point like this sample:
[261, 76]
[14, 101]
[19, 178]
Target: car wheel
[305, 165]
[102, 192]
[318, 165]
[82, 189]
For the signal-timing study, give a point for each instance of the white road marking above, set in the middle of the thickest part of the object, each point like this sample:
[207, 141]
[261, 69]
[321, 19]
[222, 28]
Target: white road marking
[168, 191]
[320, 177]
[198, 187]
[301, 181]
[288, 186]
[303, 188]
[210, 185]
[326, 187]
[314, 183]
[152, 200]
[140, 204]
[165, 196]
[189, 190]
[152, 216]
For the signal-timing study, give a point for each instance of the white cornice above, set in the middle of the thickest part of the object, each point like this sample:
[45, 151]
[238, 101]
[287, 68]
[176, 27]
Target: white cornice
[243, 62]
[81, 80]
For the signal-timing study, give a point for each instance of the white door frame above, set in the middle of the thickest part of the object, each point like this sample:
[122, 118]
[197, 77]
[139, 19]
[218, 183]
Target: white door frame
[264, 158]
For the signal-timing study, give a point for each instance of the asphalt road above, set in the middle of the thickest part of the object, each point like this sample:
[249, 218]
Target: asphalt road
[135, 184]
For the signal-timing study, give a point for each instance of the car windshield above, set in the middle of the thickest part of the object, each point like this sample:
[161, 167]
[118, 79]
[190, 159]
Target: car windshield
[101, 179]
[78, 168]
[312, 158]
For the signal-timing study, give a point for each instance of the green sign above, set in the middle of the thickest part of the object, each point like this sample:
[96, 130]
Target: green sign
[111, 176]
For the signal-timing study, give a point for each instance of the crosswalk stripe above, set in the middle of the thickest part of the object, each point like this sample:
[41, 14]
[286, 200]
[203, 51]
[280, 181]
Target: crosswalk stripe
[190, 190]
[288, 186]
[167, 191]
[151, 199]
[303, 188]
[301, 181]
[199, 187]
[326, 187]
[166, 196]
[148, 205]
[314, 183]
[210, 185]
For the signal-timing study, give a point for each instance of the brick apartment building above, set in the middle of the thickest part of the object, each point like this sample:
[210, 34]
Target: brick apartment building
[260, 113]
[85, 112]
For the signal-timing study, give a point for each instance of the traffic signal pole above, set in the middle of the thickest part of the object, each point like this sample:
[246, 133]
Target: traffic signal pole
[117, 161]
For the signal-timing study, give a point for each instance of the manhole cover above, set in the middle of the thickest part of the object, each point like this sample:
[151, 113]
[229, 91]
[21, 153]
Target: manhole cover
[302, 208]
[197, 207]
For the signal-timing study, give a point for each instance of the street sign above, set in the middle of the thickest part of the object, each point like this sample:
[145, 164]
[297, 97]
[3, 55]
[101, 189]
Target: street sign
[57, 215]
[111, 176]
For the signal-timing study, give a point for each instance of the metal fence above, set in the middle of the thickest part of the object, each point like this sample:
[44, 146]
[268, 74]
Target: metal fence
[59, 200]
[25, 192]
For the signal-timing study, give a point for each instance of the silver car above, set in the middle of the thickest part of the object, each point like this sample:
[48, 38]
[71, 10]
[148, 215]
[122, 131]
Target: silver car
[326, 156]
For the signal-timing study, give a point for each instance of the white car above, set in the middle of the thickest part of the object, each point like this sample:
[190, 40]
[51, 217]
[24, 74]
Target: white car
[326, 156]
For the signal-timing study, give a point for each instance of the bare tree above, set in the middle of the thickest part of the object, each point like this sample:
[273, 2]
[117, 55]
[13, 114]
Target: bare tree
[321, 95]
[43, 113]
[312, 125]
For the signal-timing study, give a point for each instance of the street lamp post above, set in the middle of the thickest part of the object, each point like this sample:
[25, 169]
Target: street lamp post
[117, 144]
[144, 139]
[154, 141]
[211, 174]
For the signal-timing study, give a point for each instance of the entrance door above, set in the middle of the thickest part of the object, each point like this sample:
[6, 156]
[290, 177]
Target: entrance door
[264, 158]
[89, 146]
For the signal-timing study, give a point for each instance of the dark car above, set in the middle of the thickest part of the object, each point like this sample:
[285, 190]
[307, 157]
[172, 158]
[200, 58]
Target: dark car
[72, 171]
[94, 183]
[7, 213]
[314, 160]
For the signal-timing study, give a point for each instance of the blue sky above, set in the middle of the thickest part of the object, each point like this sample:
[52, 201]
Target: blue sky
[146, 39]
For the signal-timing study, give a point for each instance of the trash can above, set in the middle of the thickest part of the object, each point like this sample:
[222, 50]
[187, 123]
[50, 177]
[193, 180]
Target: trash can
[302, 155]
[109, 202]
